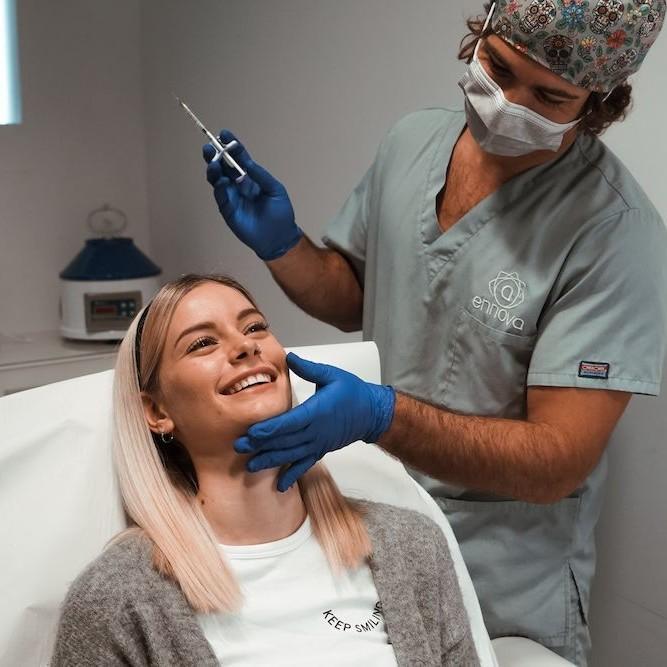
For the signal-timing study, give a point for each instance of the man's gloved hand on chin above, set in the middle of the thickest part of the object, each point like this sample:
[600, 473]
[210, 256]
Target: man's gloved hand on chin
[258, 209]
[343, 409]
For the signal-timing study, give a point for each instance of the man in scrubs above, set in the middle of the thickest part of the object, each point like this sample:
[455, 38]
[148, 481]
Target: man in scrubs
[512, 273]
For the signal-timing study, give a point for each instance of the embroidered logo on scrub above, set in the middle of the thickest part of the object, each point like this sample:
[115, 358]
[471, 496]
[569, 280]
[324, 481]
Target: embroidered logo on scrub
[593, 369]
[507, 292]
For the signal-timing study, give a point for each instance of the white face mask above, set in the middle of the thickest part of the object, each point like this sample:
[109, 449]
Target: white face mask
[500, 126]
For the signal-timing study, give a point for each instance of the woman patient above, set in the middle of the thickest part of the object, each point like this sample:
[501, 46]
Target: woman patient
[221, 568]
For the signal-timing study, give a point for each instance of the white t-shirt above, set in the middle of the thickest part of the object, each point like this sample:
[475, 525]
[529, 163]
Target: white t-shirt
[297, 612]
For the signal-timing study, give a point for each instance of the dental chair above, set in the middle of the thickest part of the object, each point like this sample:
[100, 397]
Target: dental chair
[60, 504]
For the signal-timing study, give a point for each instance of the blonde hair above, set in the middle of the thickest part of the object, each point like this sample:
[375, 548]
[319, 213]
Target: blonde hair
[158, 483]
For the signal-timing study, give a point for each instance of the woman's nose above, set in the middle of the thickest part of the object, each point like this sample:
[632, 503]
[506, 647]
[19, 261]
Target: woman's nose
[244, 347]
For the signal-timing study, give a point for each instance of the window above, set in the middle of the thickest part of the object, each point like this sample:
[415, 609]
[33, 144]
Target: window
[10, 92]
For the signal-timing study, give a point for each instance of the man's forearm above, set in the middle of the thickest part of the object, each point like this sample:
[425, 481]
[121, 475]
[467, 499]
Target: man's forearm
[322, 283]
[505, 457]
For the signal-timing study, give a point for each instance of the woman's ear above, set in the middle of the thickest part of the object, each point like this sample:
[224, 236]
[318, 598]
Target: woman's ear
[156, 416]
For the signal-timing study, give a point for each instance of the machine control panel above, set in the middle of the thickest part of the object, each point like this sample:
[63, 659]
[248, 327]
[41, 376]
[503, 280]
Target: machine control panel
[111, 311]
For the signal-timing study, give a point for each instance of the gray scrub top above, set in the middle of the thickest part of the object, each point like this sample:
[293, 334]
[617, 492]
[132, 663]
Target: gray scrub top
[557, 279]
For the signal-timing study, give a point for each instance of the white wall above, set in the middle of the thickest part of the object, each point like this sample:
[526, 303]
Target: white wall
[309, 86]
[81, 144]
[629, 608]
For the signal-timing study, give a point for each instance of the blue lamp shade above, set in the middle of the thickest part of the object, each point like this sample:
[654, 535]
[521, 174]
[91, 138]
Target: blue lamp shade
[10, 92]
[110, 259]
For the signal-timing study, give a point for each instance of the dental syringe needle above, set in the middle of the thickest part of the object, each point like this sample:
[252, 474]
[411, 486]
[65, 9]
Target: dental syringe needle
[200, 125]
[220, 148]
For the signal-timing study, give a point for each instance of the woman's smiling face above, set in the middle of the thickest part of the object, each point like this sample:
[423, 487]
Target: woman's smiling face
[221, 370]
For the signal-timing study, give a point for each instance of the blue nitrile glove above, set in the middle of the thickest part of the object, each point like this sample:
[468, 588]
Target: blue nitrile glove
[343, 409]
[258, 209]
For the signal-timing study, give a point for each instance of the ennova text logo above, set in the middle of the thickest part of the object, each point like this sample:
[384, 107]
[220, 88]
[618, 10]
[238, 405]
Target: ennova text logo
[508, 292]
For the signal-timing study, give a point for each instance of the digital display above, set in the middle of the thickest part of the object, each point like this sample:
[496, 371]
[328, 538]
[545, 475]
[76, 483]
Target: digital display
[124, 308]
[111, 311]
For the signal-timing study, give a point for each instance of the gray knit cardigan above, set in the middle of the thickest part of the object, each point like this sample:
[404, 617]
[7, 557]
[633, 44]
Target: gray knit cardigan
[121, 611]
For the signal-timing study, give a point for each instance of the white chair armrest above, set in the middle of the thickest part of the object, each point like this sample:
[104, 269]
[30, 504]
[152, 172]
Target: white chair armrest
[522, 652]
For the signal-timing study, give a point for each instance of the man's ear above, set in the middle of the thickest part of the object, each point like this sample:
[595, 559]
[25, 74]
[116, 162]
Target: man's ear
[156, 416]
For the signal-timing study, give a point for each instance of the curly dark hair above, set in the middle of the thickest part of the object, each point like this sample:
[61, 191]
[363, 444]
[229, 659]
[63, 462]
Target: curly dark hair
[597, 115]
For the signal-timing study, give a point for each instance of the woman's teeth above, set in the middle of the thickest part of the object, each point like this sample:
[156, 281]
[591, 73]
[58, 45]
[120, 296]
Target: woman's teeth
[260, 378]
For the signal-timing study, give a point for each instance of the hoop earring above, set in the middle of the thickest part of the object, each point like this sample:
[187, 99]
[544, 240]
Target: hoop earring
[164, 437]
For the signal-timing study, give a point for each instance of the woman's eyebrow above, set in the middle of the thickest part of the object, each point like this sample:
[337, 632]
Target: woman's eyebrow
[211, 325]
[194, 327]
[246, 312]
